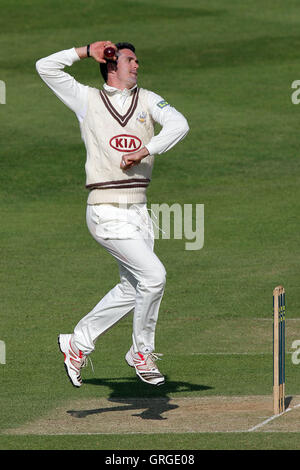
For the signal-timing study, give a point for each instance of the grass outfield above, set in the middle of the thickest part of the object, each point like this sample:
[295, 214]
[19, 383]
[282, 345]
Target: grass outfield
[228, 67]
[246, 441]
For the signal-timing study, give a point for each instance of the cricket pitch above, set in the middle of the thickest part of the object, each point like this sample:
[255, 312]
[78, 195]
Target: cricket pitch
[165, 415]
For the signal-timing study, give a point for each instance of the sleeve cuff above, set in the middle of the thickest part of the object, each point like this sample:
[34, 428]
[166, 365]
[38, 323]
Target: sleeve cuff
[150, 148]
[73, 54]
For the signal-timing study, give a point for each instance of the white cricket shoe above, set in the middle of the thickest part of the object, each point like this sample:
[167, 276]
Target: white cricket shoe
[145, 366]
[73, 361]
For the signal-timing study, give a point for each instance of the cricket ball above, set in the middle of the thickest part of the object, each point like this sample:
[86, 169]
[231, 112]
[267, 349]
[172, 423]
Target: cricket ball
[109, 52]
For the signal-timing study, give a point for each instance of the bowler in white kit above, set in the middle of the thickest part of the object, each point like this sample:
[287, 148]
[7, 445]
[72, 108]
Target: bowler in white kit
[117, 127]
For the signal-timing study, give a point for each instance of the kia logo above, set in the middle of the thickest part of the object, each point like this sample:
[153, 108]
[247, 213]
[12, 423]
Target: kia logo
[125, 143]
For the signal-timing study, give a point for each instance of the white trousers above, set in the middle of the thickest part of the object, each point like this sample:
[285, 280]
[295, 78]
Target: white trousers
[127, 234]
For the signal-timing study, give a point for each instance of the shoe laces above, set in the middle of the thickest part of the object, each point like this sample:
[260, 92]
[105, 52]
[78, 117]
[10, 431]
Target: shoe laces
[86, 361]
[150, 359]
[155, 356]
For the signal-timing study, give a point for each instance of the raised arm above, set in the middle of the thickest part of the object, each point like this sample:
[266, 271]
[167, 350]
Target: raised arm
[72, 93]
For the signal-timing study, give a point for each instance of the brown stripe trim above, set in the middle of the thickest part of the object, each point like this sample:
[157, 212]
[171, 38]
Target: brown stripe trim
[122, 117]
[131, 180]
[122, 120]
[111, 112]
[119, 187]
[113, 109]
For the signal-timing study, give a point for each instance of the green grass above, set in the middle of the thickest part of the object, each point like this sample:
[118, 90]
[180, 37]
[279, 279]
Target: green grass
[218, 441]
[228, 66]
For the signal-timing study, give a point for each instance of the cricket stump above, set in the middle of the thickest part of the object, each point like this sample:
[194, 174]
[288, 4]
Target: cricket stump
[278, 350]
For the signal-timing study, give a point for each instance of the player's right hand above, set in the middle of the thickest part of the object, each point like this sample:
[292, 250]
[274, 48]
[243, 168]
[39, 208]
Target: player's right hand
[97, 50]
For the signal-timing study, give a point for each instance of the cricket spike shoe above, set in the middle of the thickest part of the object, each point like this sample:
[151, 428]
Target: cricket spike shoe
[73, 361]
[145, 366]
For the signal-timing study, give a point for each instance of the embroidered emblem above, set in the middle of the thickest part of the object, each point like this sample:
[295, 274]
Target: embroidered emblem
[141, 117]
[162, 104]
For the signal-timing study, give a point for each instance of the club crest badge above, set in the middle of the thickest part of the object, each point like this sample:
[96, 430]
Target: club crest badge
[141, 117]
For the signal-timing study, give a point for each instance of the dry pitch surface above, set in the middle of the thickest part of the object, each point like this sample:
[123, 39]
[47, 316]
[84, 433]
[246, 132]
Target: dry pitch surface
[165, 415]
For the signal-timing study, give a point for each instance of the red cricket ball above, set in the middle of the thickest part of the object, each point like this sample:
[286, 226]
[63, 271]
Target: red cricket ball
[109, 52]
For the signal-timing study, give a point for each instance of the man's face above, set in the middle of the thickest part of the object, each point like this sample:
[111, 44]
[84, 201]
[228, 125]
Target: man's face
[127, 69]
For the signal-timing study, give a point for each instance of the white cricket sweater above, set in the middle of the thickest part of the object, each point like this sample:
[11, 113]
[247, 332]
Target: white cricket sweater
[108, 135]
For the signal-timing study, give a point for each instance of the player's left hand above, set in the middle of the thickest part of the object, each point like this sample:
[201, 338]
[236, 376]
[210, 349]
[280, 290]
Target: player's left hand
[131, 159]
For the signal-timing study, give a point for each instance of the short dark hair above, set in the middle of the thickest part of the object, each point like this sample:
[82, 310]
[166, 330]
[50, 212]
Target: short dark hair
[119, 45]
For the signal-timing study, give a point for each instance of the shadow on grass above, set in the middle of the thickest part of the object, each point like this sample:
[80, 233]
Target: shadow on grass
[134, 395]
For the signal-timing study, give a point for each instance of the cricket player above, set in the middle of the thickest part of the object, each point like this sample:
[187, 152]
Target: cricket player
[117, 127]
